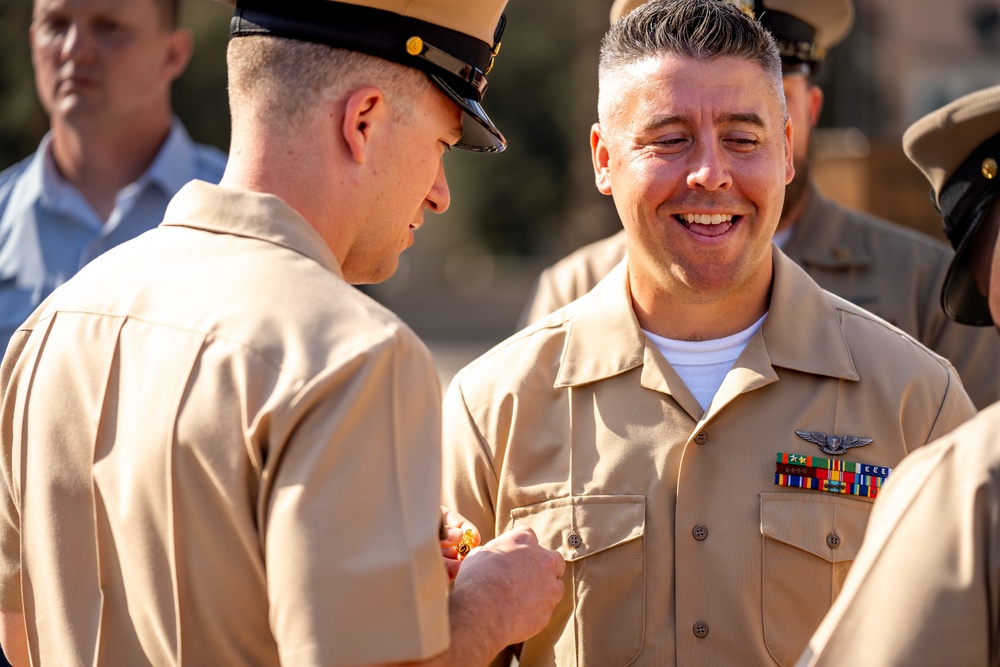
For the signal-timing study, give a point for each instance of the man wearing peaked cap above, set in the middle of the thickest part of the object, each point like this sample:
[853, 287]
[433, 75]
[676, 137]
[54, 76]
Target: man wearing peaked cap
[233, 457]
[679, 433]
[925, 589]
[957, 149]
[888, 269]
[453, 44]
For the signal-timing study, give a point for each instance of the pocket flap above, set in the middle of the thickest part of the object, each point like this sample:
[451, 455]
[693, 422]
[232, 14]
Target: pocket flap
[809, 520]
[581, 526]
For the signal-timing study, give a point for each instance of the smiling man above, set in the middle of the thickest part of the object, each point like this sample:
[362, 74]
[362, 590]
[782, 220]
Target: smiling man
[702, 435]
[888, 269]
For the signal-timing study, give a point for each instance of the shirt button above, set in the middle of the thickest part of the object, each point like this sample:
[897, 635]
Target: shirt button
[701, 438]
[833, 540]
[700, 630]
[574, 540]
[699, 532]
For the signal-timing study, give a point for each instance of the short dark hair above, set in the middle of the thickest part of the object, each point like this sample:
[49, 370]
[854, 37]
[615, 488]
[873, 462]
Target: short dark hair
[699, 29]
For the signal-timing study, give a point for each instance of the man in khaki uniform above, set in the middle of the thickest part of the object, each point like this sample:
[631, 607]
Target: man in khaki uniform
[702, 434]
[233, 457]
[890, 270]
[925, 589]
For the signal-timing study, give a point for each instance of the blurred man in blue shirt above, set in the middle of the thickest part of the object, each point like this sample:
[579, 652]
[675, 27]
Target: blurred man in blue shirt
[115, 153]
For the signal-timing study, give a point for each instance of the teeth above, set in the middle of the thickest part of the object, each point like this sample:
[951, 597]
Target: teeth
[699, 219]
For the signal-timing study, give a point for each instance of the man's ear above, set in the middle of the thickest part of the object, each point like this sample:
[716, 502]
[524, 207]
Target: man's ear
[365, 112]
[789, 156]
[815, 104]
[600, 156]
[180, 46]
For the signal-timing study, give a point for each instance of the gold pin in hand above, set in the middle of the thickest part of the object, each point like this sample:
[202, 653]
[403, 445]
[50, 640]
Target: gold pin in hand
[465, 545]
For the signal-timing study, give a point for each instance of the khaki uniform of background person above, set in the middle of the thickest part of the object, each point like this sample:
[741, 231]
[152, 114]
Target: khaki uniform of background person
[233, 456]
[681, 547]
[925, 589]
[888, 269]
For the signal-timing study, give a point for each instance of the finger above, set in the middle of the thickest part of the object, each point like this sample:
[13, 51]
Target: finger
[452, 566]
[559, 563]
[451, 537]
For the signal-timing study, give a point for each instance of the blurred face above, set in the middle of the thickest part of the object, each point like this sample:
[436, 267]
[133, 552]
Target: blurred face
[104, 62]
[805, 101]
[696, 155]
[411, 180]
[985, 260]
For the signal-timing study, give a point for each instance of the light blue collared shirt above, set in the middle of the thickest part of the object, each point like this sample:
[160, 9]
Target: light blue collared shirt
[48, 231]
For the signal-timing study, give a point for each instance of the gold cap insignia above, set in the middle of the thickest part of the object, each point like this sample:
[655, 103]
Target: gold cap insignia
[414, 46]
[989, 168]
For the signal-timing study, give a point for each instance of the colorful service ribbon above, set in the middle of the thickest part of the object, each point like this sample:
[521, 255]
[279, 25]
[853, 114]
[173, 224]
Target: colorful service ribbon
[830, 475]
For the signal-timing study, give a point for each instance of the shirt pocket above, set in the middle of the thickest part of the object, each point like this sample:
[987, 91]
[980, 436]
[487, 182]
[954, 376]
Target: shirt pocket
[810, 542]
[601, 618]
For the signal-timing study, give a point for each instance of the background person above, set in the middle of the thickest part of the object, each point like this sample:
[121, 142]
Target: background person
[241, 465]
[671, 433]
[925, 589]
[114, 155]
[890, 270]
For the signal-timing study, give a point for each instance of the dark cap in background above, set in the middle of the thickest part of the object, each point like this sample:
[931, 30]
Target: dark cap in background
[454, 42]
[803, 29]
[957, 147]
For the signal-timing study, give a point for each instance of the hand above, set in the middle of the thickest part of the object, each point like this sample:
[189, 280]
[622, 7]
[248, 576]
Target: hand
[513, 582]
[455, 525]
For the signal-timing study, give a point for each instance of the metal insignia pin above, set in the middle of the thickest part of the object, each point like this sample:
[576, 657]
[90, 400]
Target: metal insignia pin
[989, 168]
[834, 445]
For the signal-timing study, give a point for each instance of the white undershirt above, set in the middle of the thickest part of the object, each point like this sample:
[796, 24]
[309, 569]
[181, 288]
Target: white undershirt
[703, 364]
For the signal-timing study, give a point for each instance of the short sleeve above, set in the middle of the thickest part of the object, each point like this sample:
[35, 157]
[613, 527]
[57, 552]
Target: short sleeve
[354, 570]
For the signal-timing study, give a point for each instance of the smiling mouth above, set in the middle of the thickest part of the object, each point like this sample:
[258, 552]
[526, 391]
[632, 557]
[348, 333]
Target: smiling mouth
[706, 224]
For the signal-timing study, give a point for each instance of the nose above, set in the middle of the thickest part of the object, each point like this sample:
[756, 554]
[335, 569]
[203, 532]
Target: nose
[710, 170]
[75, 45]
[439, 198]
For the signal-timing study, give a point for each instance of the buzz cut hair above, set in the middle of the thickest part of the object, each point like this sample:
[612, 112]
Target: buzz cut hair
[287, 78]
[697, 29]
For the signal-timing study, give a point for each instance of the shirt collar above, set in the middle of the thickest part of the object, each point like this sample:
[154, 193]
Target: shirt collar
[174, 165]
[222, 210]
[802, 331]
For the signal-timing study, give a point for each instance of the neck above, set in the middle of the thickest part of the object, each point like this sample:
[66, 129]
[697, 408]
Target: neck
[682, 314]
[100, 163]
[295, 171]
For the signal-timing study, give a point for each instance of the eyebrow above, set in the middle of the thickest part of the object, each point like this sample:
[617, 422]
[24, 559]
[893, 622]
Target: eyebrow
[748, 118]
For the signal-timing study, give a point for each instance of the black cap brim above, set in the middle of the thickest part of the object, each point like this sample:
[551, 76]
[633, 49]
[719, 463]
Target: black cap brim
[960, 298]
[478, 131]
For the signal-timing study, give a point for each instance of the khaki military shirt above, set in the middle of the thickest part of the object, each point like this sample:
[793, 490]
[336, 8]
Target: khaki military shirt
[681, 548]
[925, 589]
[886, 268]
[217, 452]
